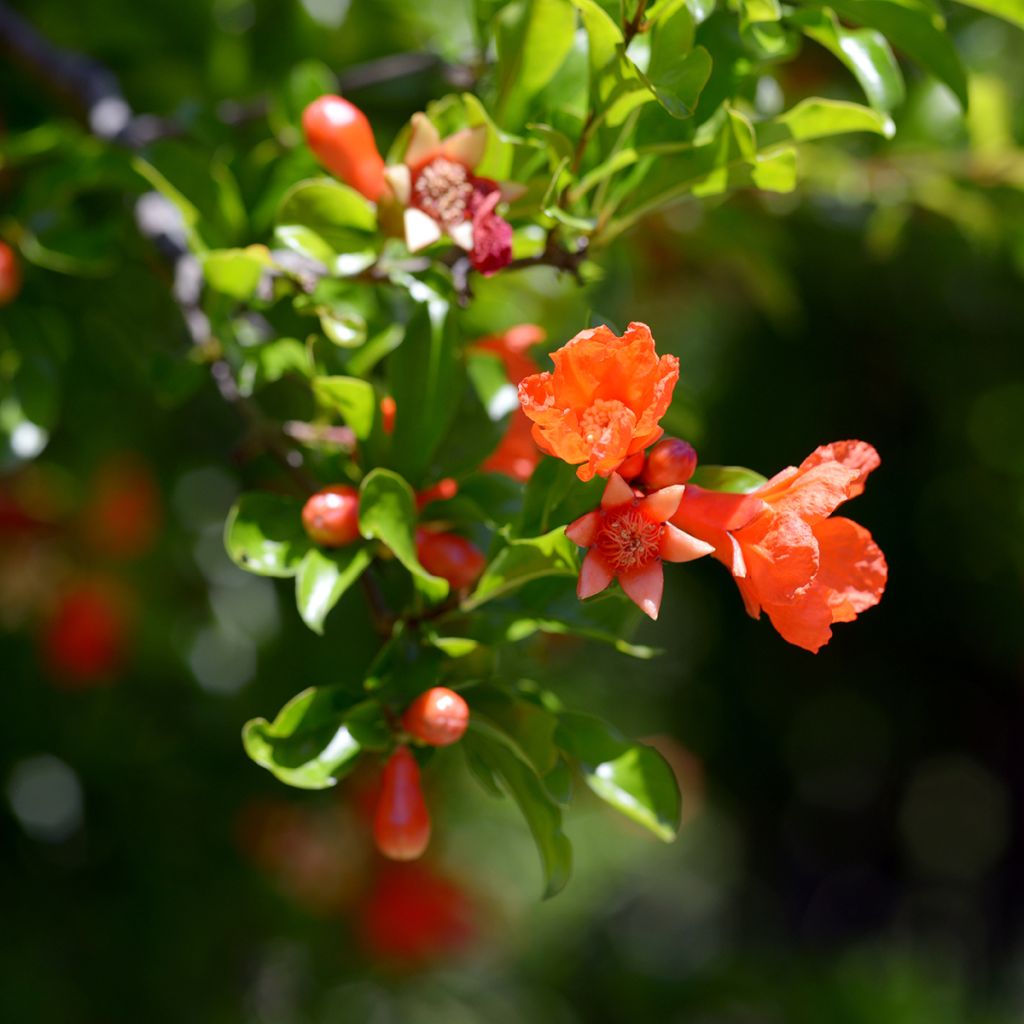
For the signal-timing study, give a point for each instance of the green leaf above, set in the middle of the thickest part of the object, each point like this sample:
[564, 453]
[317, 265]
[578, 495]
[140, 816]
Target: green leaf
[344, 328]
[487, 374]
[632, 777]
[337, 214]
[426, 381]
[865, 51]
[554, 495]
[918, 29]
[236, 272]
[323, 577]
[387, 512]
[616, 85]
[351, 398]
[1009, 10]
[552, 554]
[679, 86]
[506, 765]
[733, 479]
[533, 38]
[305, 242]
[283, 356]
[316, 737]
[817, 118]
[264, 534]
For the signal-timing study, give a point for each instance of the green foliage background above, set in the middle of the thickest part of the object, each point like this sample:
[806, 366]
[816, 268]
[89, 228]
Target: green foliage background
[852, 828]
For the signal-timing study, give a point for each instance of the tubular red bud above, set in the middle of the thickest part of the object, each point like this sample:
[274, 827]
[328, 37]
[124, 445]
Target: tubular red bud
[438, 717]
[342, 140]
[401, 826]
[388, 411]
[331, 516]
[10, 274]
[450, 556]
[670, 461]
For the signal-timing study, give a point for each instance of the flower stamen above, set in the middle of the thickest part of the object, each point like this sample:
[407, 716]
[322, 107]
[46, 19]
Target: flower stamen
[628, 540]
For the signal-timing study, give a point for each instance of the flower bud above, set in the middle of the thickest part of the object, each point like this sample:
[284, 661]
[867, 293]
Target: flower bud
[670, 461]
[10, 274]
[342, 140]
[331, 516]
[438, 717]
[401, 826]
[443, 490]
[450, 556]
[388, 412]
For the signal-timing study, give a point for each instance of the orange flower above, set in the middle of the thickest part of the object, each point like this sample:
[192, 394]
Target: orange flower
[789, 558]
[516, 456]
[628, 536]
[604, 399]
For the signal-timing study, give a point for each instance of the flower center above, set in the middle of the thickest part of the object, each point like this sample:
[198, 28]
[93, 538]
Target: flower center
[443, 190]
[597, 419]
[627, 539]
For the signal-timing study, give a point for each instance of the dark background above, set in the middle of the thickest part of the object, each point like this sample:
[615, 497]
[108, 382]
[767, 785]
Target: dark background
[853, 835]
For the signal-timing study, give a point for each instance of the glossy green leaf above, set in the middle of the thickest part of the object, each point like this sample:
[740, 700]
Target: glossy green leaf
[387, 512]
[337, 214]
[264, 534]
[281, 357]
[354, 400]
[818, 119]
[533, 38]
[918, 29]
[678, 87]
[426, 380]
[509, 767]
[305, 242]
[632, 777]
[552, 554]
[865, 51]
[316, 737]
[734, 479]
[487, 374]
[236, 272]
[344, 328]
[555, 495]
[322, 578]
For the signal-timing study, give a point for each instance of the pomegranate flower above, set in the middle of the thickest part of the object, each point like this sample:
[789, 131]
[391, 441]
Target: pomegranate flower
[628, 537]
[789, 556]
[440, 195]
[603, 401]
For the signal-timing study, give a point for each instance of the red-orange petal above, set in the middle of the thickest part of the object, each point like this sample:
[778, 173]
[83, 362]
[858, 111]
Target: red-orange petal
[594, 576]
[644, 588]
[583, 531]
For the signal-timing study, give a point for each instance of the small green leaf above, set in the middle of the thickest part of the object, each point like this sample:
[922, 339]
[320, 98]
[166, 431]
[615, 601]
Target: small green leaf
[323, 577]
[632, 777]
[236, 272]
[345, 329]
[316, 737]
[819, 118]
[387, 512]
[555, 494]
[487, 374]
[264, 534]
[351, 398]
[498, 759]
[305, 242]
[733, 479]
[337, 214]
[283, 356]
[552, 554]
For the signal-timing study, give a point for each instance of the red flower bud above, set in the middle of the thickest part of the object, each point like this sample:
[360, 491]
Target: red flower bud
[443, 490]
[401, 826]
[671, 461]
[388, 412]
[342, 140]
[450, 556]
[331, 516]
[438, 717]
[10, 274]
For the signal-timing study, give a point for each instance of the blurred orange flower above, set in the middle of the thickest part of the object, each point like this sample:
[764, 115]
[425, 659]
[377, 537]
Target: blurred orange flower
[604, 399]
[516, 455]
[789, 558]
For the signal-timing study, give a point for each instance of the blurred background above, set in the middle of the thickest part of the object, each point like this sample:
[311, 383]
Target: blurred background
[854, 821]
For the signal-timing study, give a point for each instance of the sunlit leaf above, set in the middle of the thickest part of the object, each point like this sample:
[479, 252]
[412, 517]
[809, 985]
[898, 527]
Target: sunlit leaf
[351, 398]
[552, 554]
[264, 534]
[323, 576]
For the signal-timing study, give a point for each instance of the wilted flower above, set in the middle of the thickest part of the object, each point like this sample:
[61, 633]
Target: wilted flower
[604, 399]
[789, 558]
[628, 537]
